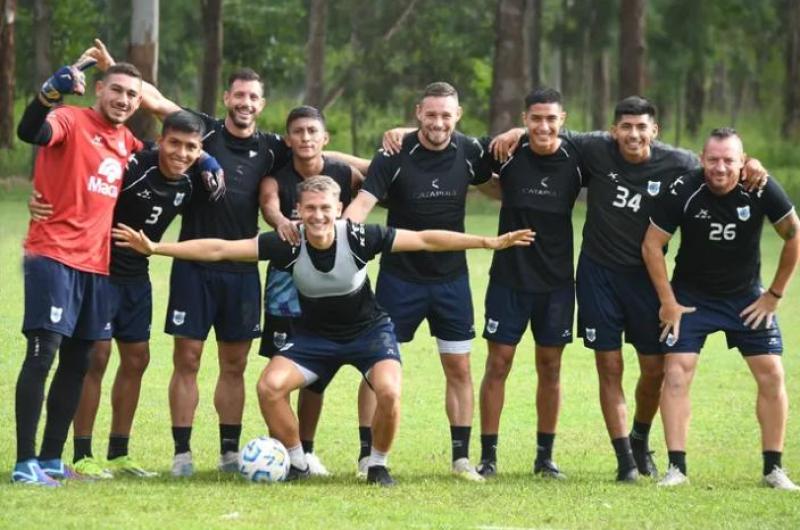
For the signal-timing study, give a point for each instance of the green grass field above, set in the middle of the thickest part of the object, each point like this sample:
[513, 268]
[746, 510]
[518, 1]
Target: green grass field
[723, 452]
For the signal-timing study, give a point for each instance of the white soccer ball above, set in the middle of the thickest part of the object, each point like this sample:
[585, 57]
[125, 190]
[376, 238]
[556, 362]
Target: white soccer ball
[264, 459]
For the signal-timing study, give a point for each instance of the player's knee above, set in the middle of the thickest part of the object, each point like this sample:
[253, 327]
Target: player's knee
[609, 368]
[770, 380]
[676, 378]
[458, 373]
[135, 363]
[41, 351]
[186, 363]
[388, 396]
[271, 388]
[74, 356]
[548, 370]
[233, 366]
[98, 360]
[498, 367]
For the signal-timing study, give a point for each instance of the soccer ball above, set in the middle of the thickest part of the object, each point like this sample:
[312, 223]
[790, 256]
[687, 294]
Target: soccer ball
[264, 459]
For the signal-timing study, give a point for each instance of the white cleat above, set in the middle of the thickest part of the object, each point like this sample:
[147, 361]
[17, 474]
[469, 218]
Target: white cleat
[182, 465]
[466, 471]
[229, 462]
[779, 480]
[674, 477]
[315, 467]
[361, 470]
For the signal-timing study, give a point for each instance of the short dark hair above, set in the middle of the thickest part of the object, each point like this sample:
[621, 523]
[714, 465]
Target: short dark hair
[124, 69]
[183, 121]
[439, 89]
[542, 95]
[721, 133]
[245, 74]
[305, 111]
[635, 106]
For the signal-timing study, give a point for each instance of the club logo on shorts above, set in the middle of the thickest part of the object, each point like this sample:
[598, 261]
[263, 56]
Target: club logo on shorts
[671, 340]
[55, 314]
[591, 334]
[178, 198]
[491, 325]
[279, 339]
[107, 327]
[653, 187]
[743, 212]
[178, 317]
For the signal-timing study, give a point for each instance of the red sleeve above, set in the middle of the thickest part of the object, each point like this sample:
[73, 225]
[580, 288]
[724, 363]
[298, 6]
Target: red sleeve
[136, 145]
[62, 121]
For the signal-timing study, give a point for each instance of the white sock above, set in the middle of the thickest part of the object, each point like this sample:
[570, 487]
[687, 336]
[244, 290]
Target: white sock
[298, 457]
[376, 458]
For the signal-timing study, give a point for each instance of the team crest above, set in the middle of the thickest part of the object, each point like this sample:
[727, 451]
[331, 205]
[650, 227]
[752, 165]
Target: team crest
[591, 334]
[653, 187]
[178, 317]
[55, 314]
[743, 212]
[491, 325]
[279, 339]
[671, 340]
[178, 198]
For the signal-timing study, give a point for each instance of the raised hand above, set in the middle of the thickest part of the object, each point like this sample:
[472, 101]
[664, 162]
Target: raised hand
[68, 79]
[517, 238]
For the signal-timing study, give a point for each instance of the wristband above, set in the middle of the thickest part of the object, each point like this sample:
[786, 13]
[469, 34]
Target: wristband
[773, 293]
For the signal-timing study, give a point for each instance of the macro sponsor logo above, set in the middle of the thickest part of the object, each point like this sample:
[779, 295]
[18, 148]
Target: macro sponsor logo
[105, 182]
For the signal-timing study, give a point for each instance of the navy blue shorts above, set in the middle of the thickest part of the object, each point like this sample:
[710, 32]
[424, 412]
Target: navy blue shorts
[323, 357]
[276, 333]
[64, 300]
[201, 297]
[612, 302]
[446, 305]
[131, 305]
[508, 312]
[722, 314]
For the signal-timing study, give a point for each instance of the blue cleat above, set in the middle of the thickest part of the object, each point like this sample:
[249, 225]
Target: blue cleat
[57, 469]
[29, 472]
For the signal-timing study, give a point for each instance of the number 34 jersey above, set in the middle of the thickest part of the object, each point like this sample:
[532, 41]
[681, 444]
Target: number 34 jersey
[719, 253]
[148, 201]
[621, 196]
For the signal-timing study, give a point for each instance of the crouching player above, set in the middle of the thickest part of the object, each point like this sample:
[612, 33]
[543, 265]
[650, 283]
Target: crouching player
[341, 323]
[716, 287]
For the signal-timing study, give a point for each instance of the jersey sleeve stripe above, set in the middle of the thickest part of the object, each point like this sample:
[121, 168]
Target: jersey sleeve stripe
[784, 216]
[144, 175]
[692, 196]
[653, 223]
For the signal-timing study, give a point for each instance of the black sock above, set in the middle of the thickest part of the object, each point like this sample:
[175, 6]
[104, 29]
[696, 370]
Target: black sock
[488, 448]
[772, 459]
[229, 438]
[544, 445]
[308, 446]
[640, 434]
[117, 446]
[64, 394]
[181, 436]
[459, 440]
[622, 448]
[365, 441]
[40, 352]
[677, 459]
[83, 448]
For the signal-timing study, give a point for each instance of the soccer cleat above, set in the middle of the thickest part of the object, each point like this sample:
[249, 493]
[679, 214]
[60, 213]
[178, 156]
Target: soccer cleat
[363, 464]
[30, 473]
[90, 467]
[466, 471]
[56, 469]
[645, 463]
[229, 462]
[297, 474]
[126, 464]
[548, 469]
[779, 480]
[629, 475]
[487, 468]
[674, 477]
[182, 465]
[315, 467]
[380, 475]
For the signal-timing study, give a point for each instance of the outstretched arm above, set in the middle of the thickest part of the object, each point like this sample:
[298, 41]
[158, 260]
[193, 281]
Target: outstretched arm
[444, 240]
[192, 250]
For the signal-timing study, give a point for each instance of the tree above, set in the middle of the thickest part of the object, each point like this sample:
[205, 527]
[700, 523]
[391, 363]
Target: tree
[534, 34]
[599, 41]
[791, 98]
[212, 55]
[42, 16]
[632, 47]
[509, 77]
[315, 53]
[143, 53]
[7, 65]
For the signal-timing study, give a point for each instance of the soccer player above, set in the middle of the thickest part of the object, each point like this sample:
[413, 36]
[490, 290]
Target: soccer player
[424, 187]
[306, 136]
[225, 295]
[535, 284]
[716, 286]
[79, 171]
[341, 322]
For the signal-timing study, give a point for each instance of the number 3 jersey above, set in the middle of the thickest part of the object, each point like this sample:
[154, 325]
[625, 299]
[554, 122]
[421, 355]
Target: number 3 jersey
[719, 254]
[148, 201]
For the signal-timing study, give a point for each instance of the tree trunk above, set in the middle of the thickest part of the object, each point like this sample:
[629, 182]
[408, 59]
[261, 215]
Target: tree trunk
[42, 17]
[601, 91]
[695, 95]
[632, 47]
[315, 53]
[534, 33]
[7, 66]
[508, 75]
[791, 97]
[212, 55]
[143, 53]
